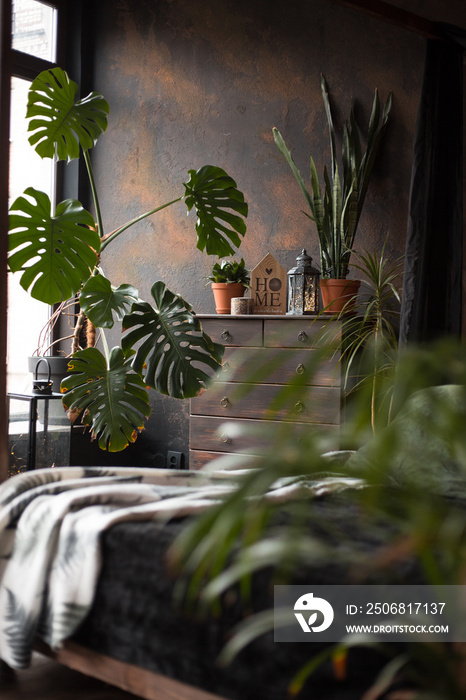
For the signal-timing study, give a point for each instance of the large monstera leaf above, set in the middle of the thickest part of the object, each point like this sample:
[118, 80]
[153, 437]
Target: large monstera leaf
[56, 254]
[60, 123]
[180, 358]
[114, 398]
[103, 303]
[216, 198]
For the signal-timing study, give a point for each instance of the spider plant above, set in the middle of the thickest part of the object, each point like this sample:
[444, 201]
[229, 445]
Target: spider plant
[336, 207]
[369, 339]
[58, 256]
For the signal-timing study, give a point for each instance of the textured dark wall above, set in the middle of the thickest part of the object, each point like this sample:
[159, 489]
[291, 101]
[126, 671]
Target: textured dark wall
[194, 83]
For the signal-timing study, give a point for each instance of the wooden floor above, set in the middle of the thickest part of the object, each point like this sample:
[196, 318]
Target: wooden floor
[48, 680]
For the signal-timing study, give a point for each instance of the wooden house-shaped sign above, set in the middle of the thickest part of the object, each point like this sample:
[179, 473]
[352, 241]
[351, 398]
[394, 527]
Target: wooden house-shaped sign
[268, 287]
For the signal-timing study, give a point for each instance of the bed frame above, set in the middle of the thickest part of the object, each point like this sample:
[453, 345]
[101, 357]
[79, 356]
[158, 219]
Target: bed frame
[139, 681]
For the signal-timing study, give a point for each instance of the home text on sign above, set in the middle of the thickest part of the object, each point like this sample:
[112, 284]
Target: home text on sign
[268, 287]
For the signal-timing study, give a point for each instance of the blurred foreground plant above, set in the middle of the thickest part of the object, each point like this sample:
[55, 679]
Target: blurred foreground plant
[408, 483]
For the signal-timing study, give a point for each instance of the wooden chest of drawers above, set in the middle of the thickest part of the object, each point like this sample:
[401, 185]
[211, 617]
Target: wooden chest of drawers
[262, 355]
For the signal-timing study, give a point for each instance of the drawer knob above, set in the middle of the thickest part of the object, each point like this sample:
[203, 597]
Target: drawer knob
[224, 438]
[299, 407]
[302, 337]
[225, 335]
[300, 369]
[225, 402]
[225, 366]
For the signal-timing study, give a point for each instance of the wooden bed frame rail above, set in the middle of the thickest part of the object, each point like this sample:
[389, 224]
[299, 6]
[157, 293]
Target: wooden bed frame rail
[139, 681]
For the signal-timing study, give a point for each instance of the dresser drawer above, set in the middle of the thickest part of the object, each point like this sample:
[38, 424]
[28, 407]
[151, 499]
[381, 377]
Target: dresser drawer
[279, 366]
[236, 400]
[231, 331]
[298, 333]
[199, 458]
[223, 435]
[211, 433]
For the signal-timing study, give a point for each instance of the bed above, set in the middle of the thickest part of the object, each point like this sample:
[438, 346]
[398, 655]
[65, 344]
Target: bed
[91, 587]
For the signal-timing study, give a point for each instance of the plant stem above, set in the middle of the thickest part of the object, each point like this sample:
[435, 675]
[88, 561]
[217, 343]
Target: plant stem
[105, 344]
[110, 236]
[90, 334]
[374, 389]
[87, 160]
[77, 331]
[55, 342]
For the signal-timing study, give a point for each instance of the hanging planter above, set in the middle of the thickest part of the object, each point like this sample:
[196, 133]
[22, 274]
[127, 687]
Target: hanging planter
[338, 295]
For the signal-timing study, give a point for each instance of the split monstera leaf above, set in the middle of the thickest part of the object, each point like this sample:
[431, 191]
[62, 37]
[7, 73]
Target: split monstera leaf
[57, 255]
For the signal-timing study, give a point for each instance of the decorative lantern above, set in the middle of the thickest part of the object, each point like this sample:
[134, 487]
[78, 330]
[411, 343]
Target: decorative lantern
[303, 287]
[40, 431]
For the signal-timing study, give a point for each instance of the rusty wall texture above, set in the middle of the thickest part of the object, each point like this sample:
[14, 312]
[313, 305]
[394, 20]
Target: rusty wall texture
[191, 83]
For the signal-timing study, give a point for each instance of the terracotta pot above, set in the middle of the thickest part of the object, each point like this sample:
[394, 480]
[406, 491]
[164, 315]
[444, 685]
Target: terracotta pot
[224, 292]
[337, 293]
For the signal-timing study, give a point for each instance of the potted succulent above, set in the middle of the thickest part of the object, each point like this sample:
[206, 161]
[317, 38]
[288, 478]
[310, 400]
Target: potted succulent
[228, 279]
[336, 207]
[58, 257]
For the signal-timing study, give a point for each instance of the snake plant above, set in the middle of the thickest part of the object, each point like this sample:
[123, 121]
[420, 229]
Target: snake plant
[335, 208]
[58, 254]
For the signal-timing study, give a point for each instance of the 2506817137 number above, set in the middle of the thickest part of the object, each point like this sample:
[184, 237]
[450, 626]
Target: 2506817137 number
[431, 608]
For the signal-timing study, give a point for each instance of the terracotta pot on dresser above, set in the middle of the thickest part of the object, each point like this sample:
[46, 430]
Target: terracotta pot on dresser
[338, 294]
[224, 292]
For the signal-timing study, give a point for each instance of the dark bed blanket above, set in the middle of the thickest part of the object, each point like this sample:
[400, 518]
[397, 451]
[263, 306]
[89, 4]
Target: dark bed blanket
[51, 525]
[134, 619]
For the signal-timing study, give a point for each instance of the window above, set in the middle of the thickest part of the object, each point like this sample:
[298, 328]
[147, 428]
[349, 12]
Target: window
[34, 29]
[34, 34]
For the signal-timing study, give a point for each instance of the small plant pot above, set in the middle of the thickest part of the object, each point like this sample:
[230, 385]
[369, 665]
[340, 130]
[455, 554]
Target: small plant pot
[224, 292]
[338, 295]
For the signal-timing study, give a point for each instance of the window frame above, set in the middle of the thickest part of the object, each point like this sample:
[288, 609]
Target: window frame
[26, 66]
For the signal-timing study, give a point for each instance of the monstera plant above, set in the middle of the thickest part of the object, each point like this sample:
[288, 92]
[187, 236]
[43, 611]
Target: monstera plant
[58, 257]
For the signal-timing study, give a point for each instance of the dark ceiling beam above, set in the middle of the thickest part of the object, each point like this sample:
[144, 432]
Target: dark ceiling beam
[394, 15]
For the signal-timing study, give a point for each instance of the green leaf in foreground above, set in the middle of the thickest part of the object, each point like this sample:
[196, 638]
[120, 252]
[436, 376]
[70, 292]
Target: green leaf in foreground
[114, 399]
[55, 254]
[103, 303]
[180, 359]
[216, 198]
